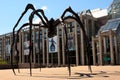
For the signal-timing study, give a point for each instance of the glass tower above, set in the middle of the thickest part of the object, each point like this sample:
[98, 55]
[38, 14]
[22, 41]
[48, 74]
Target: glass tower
[114, 9]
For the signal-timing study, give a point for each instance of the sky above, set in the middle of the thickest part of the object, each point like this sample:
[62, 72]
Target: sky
[11, 10]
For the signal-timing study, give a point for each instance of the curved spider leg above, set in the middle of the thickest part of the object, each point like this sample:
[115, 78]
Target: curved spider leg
[66, 45]
[12, 59]
[87, 43]
[30, 31]
[67, 50]
[57, 22]
[42, 12]
[29, 6]
[17, 39]
[17, 53]
[44, 21]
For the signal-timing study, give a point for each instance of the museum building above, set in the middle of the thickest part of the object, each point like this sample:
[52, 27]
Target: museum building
[102, 31]
[106, 44]
[52, 50]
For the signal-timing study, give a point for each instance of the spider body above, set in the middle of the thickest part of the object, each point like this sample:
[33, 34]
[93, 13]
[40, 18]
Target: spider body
[51, 28]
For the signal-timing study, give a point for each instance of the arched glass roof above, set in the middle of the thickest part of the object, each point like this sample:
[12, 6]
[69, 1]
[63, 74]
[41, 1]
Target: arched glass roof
[114, 15]
[111, 25]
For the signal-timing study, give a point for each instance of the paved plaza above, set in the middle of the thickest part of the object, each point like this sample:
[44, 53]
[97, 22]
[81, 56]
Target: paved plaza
[61, 73]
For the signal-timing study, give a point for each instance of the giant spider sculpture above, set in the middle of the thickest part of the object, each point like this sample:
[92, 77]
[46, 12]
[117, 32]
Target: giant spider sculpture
[51, 25]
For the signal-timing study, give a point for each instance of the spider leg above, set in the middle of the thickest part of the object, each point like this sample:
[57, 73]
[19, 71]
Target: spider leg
[57, 22]
[12, 61]
[35, 12]
[76, 18]
[29, 6]
[42, 12]
[67, 51]
[17, 38]
[17, 53]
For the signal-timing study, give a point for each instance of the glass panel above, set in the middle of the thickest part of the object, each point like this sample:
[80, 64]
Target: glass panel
[110, 25]
[114, 11]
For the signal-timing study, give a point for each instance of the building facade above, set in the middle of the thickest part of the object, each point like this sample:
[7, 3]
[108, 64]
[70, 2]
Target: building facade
[52, 50]
[102, 29]
[106, 43]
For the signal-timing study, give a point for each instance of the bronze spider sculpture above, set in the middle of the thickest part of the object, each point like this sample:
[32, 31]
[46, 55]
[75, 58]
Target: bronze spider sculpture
[51, 25]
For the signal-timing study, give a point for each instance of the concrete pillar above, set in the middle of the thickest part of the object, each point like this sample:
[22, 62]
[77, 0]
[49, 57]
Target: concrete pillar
[43, 46]
[47, 46]
[34, 36]
[3, 48]
[86, 24]
[104, 46]
[104, 43]
[63, 45]
[116, 49]
[82, 48]
[22, 46]
[93, 28]
[100, 49]
[76, 44]
[111, 47]
[58, 46]
[10, 46]
[93, 51]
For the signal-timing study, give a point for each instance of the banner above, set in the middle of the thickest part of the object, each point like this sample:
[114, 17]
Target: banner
[71, 41]
[53, 44]
[26, 47]
[7, 50]
[37, 47]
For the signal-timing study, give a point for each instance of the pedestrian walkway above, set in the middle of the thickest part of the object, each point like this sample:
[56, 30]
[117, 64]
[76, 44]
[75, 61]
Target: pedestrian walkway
[61, 73]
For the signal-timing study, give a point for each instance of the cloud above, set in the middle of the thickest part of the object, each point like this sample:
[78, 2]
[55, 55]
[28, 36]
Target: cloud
[44, 8]
[36, 21]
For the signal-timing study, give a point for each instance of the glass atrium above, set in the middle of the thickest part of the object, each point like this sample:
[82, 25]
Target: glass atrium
[108, 38]
[114, 17]
[114, 9]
